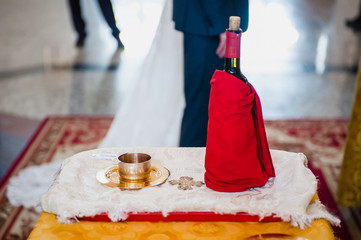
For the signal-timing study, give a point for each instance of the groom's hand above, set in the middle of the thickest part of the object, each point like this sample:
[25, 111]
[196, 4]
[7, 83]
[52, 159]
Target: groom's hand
[221, 49]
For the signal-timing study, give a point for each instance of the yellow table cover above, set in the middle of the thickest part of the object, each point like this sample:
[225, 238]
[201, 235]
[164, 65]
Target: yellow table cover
[48, 228]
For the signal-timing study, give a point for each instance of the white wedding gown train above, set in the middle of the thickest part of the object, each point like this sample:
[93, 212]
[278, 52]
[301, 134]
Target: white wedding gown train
[151, 115]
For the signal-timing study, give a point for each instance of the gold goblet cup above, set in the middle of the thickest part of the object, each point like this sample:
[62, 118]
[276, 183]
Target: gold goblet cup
[134, 166]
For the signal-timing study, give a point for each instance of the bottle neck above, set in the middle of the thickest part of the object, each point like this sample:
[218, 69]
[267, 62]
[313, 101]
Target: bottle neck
[232, 66]
[233, 43]
[232, 63]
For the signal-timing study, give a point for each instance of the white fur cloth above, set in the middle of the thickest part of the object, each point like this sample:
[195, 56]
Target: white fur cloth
[77, 193]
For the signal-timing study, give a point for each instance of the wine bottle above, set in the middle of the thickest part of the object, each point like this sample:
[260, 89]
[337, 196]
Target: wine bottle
[232, 63]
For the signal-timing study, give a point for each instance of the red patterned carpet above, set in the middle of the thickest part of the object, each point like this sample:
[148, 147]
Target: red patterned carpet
[322, 141]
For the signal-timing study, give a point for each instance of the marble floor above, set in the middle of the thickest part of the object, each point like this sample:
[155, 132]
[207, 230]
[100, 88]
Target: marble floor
[297, 53]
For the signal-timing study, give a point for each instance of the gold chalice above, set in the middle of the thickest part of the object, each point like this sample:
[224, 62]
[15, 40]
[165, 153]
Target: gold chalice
[133, 171]
[134, 166]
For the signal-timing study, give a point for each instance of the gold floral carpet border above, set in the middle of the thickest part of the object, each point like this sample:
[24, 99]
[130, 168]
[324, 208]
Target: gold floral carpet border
[321, 140]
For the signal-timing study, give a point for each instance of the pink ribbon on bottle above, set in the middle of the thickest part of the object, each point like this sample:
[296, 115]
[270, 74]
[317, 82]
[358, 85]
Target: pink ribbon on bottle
[233, 44]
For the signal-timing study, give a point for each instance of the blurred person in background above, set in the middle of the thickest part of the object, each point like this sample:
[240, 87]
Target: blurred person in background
[203, 23]
[79, 23]
[355, 23]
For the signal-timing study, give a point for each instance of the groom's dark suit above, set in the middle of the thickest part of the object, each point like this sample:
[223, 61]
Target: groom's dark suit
[202, 21]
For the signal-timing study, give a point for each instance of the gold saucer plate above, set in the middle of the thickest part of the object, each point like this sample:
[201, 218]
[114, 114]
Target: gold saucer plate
[109, 176]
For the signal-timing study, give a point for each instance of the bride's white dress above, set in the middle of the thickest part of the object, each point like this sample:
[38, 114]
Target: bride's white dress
[150, 116]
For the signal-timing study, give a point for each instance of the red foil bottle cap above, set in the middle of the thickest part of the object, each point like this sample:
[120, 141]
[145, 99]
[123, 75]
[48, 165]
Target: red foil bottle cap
[233, 45]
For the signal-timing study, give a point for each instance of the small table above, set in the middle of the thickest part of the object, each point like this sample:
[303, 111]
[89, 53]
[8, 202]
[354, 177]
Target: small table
[48, 227]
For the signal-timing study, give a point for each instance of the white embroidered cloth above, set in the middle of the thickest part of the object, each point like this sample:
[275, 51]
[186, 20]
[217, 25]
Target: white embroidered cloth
[77, 193]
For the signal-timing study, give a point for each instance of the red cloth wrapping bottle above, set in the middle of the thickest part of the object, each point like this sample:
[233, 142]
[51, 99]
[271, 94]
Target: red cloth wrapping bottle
[237, 152]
